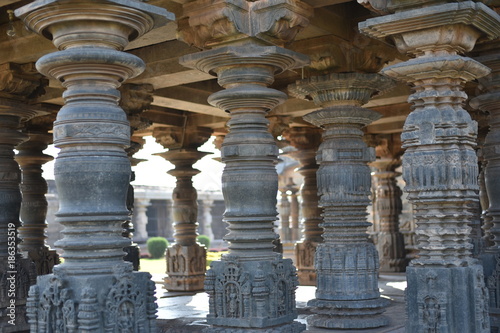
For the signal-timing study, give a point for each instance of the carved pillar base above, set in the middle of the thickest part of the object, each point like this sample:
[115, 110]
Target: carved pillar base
[186, 267]
[490, 260]
[447, 300]
[304, 256]
[77, 304]
[133, 255]
[252, 294]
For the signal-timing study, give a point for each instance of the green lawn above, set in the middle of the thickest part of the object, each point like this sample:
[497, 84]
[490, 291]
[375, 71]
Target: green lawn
[159, 266]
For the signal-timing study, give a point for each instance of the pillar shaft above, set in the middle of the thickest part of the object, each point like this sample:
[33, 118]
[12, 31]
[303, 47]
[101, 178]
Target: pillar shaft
[347, 294]
[388, 206]
[94, 290]
[440, 165]
[34, 205]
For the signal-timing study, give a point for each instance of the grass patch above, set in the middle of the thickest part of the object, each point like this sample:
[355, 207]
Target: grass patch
[154, 266]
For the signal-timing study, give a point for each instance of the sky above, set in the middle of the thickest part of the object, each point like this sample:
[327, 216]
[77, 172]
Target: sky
[153, 172]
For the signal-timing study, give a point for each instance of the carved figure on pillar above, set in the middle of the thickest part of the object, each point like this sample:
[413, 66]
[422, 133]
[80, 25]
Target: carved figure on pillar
[252, 288]
[33, 189]
[306, 140]
[440, 165]
[94, 290]
[489, 101]
[387, 208]
[347, 294]
[186, 258]
[18, 84]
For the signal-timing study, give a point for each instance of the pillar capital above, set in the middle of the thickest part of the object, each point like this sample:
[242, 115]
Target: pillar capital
[188, 137]
[21, 81]
[209, 24]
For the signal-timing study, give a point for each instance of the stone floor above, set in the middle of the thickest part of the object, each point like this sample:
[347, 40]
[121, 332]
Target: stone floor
[186, 312]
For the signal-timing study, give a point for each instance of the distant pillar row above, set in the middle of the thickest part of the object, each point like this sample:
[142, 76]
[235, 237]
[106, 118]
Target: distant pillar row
[347, 294]
[306, 140]
[186, 258]
[489, 101]
[94, 290]
[17, 271]
[440, 165]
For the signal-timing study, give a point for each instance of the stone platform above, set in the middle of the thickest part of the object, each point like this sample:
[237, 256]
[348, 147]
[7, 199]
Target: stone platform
[180, 312]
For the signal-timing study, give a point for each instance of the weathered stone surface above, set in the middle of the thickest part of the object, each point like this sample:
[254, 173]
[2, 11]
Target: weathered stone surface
[94, 290]
[440, 165]
[347, 294]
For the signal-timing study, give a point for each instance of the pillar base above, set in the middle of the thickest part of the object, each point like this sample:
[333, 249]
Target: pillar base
[133, 255]
[254, 295]
[45, 259]
[491, 265]
[17, 281]
[294, 327]
[348, 314]
[186, 267]
[304, 255]
[446, 300]
[122, 302]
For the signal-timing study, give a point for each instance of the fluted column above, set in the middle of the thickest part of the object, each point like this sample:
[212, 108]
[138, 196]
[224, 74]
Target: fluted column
[388, 205]
[306, 140]
[186, 258]
[34, 205]
[489, 100]
[440, 165]
[94, 290]
[347, 294]
[17, 272]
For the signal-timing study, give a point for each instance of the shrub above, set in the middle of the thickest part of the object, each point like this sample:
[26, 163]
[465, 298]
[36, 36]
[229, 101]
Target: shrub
[157, 247]
[202, 239]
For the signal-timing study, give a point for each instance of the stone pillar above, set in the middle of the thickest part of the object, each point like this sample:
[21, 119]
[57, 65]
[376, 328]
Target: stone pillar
[489, 101]
[141, 219]
[388, 205]
[34, 205]
[440, 165]
[252, 288]
[207, 218]
[284, 211]
[94, 290]
[347, 294]
[135, 98]
[306, 140]
[294, 210]
[17, 272]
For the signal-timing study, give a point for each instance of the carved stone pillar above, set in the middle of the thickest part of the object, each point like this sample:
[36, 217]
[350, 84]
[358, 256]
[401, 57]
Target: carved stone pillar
[294, 210]
[440, 165]
[207, 217]
[186, 258]
[94, 290]
[34, 205]
[388, 205]
[284, 210]
[17, 272]
[306, 140]
[141, 219]
[489, 101]
[347, 294]
[252, 288]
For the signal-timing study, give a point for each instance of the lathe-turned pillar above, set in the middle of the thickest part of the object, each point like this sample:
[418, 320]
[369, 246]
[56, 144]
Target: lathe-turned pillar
[17, 272]
[306, 140]
[446, 290]
[94, 290]
[489, 101]
[252, 288]
[347, 294]
[186, 258]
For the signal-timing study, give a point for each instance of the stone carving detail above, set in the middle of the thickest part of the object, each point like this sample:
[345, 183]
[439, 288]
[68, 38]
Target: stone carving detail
[92, 170]
[307, 140]
[250, 185]
[208, 23]
[346, 263]
[21, 81]
[440, 165]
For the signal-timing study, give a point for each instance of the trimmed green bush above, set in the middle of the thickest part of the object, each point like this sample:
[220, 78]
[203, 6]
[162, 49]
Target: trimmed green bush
[202, 239]
[157, 247]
